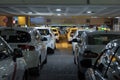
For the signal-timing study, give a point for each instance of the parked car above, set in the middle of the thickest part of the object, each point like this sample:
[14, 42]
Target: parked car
[75, 47]
[71, 33]
[75, 44]
[30, 41]
[51, 41]
[92, 42]
[56, 33]
[107, 65]
[12, 63]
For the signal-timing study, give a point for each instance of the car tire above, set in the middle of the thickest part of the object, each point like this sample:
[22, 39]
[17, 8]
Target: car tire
[74, 61]
[36, 70]
[54, 47]
[45, 61]
[50, 51]
[25, 76]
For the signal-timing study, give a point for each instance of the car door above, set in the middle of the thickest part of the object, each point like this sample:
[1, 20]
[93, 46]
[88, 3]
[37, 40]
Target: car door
[40, 45]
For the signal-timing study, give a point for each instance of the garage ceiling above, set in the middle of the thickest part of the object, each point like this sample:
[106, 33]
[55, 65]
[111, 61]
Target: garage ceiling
[98, 8]
[50, 10]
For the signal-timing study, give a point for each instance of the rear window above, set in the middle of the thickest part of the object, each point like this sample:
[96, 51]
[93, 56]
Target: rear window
[16, 37]
[44, 31]
[54, 30]
[79, 33]
[73, 31]
[101, 39]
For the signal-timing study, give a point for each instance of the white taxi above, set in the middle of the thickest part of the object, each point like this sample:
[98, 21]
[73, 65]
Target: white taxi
[56, 33]
[71, 33]
[48, 33]
[12, 63]
[30, 41]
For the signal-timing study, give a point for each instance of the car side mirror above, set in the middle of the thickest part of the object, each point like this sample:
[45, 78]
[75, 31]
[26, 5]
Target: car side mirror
[17, 53]
[75, 40]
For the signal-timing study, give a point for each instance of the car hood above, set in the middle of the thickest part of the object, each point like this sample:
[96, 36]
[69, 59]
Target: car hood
[6, 68]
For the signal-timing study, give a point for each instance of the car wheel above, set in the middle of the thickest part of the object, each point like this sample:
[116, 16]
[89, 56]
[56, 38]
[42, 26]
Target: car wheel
[54, 47]
[74, 60]
[78, 66]
[25, 76]
[36, 70]
[45, 61]
[50, 51]
[73, 52]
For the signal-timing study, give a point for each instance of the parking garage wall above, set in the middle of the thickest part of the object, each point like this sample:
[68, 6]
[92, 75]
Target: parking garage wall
[22, 20]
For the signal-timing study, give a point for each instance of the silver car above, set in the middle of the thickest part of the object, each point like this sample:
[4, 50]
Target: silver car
[30, 41]
[12, 63]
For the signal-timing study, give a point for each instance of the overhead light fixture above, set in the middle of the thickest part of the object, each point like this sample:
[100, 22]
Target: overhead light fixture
[89, 12]
[94, 17]
[30, 12]
[117, 17]
[58, 9]
[58, 14]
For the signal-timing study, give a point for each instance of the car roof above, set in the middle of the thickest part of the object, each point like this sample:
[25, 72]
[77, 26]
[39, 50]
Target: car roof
[43, 27]
[115, 41]
[101, 32]
[27, 29]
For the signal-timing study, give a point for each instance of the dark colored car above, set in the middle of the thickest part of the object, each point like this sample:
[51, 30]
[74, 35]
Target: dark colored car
[91, 43]
[107, 65]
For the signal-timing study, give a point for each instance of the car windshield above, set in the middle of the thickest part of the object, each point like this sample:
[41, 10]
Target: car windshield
[73, 31]
[101, 39]
[54, 30]
[16, 36]
[4, 50]
[79, 33]
[44, 31]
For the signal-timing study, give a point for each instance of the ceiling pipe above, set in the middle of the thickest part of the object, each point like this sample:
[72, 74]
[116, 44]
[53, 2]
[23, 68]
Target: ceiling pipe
[88, 2]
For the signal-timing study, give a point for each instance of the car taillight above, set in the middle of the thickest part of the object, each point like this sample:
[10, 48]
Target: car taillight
[26, 47]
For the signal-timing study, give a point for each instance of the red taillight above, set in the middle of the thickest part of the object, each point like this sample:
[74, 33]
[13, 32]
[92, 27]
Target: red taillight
[26, 47]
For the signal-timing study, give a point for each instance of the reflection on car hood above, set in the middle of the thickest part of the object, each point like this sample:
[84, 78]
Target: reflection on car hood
[6, 68]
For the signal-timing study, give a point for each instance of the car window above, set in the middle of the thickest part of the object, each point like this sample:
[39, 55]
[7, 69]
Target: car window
[54, 30]
[101, 39]
[44, 31]
[37, 35]
[4, 50]
[17, 37]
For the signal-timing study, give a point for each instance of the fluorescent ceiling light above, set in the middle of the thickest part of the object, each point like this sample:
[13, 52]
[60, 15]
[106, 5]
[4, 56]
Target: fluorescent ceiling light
[58, 9]
[89, 12]
[117, 17]
[94, 17]
[30, 12]
[58, 14]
